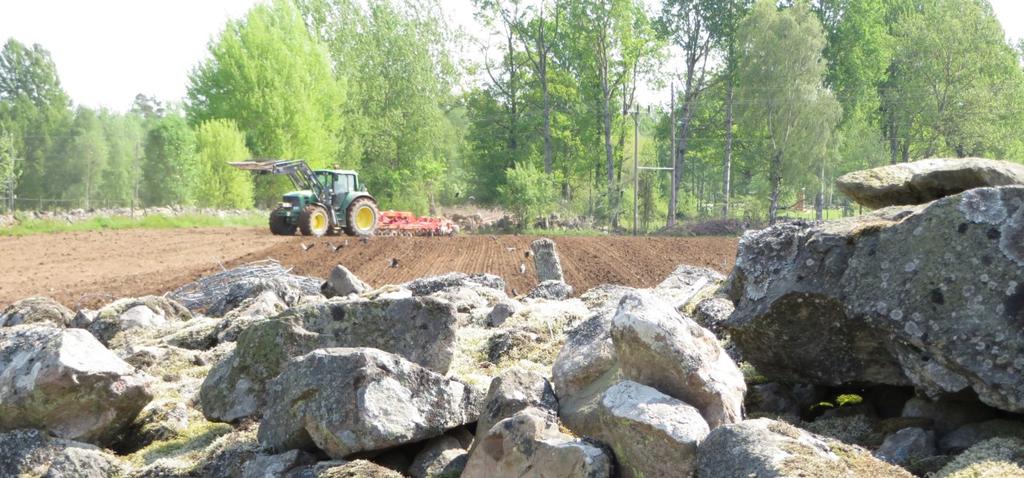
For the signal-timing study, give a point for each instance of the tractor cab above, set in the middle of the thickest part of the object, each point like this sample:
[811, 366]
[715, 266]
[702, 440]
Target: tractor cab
[328, 200]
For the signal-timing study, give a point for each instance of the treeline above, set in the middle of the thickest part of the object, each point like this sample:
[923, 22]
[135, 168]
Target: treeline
[773, 100]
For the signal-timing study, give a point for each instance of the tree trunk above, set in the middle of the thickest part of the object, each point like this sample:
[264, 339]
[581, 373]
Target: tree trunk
[727, 158]
[775, 177]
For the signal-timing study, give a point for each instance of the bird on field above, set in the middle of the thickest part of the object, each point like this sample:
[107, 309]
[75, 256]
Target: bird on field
[522, 268]
[305, 247]
[514, 292]
[510, 249]
[394, 262]
[528, 254]
[364, 239]
[494, 238]
[336, 248]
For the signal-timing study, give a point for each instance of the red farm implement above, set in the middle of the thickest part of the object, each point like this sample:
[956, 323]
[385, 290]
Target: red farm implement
[403, 223]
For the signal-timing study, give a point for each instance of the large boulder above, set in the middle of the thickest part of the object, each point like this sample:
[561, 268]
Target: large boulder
[588, 354]
[658, 347]
[420, 329]
[650, 433]
[529, 443]
[546, 261]
[28, 453]
[145, 313]
[513, 390]
[435, 284]
[349, 400]
[767, 448]
[64, 381]
[36, 310]
[218, 294]
[443, 456]
[343, 282]
[686, 284]
[926, 180]
[883, 298]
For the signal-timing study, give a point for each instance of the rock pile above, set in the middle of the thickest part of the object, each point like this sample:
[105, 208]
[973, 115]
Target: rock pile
[884, 345]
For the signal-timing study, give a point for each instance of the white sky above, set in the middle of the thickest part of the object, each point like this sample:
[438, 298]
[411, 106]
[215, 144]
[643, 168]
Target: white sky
[107, 51]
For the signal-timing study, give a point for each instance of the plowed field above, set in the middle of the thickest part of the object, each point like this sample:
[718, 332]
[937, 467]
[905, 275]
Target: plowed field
[90, 269]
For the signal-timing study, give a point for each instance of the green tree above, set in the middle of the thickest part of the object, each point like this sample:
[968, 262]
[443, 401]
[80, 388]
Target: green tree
[217, 184]
[124, 136]
[9, 170]
[169, 166]
[34, 109]
[274, 80]
[955, 83]
[780, 93]
[78, 165]
[394, 58]
[527, 192]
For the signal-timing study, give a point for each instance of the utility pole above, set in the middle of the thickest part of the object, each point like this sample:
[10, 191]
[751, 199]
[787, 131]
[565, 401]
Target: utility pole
[672, 121]
[636, 167]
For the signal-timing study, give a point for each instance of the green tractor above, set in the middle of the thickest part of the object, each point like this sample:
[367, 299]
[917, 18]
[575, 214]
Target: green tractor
[328, 201]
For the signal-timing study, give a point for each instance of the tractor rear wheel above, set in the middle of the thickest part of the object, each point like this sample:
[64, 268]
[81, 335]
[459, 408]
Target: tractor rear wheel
[361, 218]
[313, 221]
[279, 225]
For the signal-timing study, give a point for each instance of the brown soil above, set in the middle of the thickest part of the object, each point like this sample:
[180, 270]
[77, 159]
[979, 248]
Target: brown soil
[93, 268]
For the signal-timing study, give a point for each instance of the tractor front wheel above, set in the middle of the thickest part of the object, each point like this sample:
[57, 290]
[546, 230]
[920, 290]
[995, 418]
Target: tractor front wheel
[313, 221]
[361, 218]
[279, 225]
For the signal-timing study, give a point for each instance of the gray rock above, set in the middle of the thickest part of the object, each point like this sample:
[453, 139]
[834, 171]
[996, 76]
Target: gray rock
[658, 347]
[342, 282]
[772, 398]
[970, 434]
[83, 318]
[216, 295]
[349, 400]
[926, 180]
[143, 313]
[234, 388]
[687, 283]
[30, 453]
[443, 456]
[546, 261]
[64, 381]
[36, 310]
[359, 469]
[947, 415]
[650, 433]
[529, 443]
[766, 448]
[881, 298]
[501, 312]
[907, 446]
[551, 290]
[588, 354]
[432, 285]
[712, 312]
[197, 334]
[265, 305]
[510, 344]
[513, 390]
[275, 466]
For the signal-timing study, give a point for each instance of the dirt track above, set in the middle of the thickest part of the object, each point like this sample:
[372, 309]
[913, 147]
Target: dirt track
[90, 269]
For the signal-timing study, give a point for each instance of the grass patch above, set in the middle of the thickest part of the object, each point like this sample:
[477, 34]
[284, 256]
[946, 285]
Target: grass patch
[187, 447]
[29, 227]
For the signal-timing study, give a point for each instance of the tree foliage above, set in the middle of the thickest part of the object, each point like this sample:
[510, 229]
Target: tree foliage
[216, 183]
[169, 167]
[527, 192]
[781, 94]
[274, 80]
